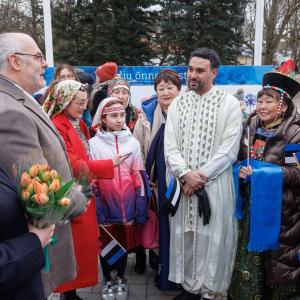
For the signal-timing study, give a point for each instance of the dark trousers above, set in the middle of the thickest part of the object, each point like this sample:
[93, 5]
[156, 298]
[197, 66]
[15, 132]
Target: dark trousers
[119, 266]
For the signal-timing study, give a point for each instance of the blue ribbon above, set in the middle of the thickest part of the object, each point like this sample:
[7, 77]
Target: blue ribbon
[53, 241]
[265, 207]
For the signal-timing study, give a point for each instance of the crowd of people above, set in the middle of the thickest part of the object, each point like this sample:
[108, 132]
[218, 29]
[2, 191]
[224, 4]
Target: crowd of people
[225, 191]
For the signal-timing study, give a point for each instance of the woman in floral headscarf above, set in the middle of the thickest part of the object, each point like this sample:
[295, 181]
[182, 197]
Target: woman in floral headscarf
[65, 105]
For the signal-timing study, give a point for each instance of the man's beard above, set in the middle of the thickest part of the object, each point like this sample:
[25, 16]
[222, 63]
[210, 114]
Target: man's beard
[197, 87]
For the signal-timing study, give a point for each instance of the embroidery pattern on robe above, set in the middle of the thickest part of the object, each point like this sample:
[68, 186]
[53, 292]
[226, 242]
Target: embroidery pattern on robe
[197, 141]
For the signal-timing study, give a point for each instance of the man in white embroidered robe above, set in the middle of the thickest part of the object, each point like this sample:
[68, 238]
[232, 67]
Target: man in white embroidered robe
[202, 139]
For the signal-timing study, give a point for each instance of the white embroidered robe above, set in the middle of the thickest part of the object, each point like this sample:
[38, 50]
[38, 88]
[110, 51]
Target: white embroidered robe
[203, 133]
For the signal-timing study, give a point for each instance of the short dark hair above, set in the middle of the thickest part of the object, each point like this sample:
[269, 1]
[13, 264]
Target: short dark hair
[167, 75]
[209, 54]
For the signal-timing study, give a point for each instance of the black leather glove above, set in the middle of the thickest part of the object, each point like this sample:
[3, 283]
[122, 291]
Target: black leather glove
[203, 206]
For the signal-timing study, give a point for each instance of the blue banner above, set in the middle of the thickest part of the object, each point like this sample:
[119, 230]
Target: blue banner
[145, 75]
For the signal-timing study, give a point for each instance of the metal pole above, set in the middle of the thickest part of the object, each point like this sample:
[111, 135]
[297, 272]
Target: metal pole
[48, 32]
[259, 28]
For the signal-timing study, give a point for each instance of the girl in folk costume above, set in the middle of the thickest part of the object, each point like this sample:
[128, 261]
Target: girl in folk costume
[120, 89]
[267, 262]
[122, 203]
[65, 105]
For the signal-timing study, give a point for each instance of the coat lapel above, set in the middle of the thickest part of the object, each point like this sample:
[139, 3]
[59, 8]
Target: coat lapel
[19, 95]
[38, 110]
[76, 142]
[157, 121]
[74, 138]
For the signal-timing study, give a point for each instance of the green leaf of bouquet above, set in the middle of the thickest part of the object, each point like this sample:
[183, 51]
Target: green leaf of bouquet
[36, 213]
[62, 209]
[38, 179]
[51, 196]
[64, 190]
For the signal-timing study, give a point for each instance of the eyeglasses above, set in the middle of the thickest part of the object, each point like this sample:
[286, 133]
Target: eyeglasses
[40, 56]
[81, 103]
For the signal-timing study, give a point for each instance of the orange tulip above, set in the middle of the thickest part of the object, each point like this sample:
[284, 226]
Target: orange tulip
[46, 176]
[64, 202]
[54, 186]
[37, 187]
[33, 170]
[53, 174]
[25, 195]
[25, 179]
[30, 188]
[45, 188]
[45, 168]
[41, 198]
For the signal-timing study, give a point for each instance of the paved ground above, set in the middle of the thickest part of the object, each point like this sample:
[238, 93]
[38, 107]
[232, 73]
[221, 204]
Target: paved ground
[140, 286]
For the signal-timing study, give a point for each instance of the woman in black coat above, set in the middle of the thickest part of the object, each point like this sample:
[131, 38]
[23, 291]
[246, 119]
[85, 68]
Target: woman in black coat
[21, 251]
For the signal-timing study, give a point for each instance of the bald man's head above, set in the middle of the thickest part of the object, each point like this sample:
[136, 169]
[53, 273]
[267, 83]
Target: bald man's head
[22, 61]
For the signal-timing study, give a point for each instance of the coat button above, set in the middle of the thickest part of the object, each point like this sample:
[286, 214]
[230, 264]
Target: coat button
[257, 260]
[246, 275]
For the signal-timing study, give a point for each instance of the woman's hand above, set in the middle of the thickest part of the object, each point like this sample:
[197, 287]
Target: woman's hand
[245, 171]
[119, 158]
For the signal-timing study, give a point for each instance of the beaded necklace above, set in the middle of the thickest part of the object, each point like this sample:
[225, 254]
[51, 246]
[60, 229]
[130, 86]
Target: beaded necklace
[263, 134]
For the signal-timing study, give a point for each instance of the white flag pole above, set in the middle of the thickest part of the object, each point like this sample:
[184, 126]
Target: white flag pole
[48, 32]
[259, 28]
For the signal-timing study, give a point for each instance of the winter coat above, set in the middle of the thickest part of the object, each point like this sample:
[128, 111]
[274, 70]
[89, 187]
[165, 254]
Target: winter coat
[283, 266]
[121, 199]
[147, 125]
[97, 96]
[84, 228]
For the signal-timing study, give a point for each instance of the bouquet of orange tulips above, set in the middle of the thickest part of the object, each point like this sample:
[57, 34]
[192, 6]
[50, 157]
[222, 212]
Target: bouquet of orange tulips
[44, 195]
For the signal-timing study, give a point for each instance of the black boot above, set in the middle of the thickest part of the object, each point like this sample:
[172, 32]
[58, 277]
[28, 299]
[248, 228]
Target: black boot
[153, 260]
[185, 295]
[70, 295]
[140, 263]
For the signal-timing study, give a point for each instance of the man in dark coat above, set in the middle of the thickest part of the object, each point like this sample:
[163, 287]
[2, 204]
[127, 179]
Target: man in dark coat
[21, 251]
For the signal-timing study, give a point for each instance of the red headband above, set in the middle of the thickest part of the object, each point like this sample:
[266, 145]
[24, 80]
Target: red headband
[110, 110]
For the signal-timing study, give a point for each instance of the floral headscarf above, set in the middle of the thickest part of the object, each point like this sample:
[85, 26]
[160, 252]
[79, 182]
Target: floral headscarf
[61, 96]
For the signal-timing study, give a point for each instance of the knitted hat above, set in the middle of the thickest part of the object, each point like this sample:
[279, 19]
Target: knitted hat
[107, 71]
[118, 83]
